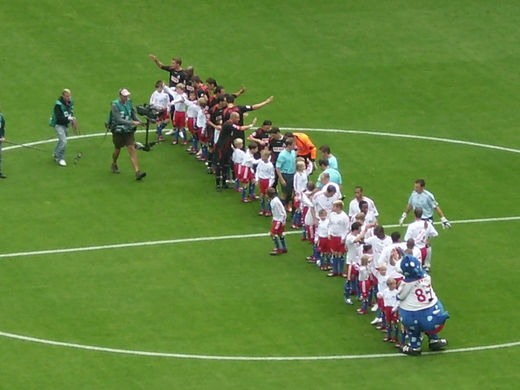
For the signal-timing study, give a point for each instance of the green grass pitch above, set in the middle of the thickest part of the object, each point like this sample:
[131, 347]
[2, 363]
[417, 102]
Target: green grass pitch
[443, 69]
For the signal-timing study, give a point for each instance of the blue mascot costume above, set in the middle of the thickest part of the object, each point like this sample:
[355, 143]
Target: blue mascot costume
[419, 308]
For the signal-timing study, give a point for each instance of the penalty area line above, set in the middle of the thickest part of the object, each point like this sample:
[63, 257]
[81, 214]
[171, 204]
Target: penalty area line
[200, 239]
[241, 358]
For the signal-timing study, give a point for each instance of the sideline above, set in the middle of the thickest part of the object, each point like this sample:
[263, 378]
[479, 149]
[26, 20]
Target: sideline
[214, 238]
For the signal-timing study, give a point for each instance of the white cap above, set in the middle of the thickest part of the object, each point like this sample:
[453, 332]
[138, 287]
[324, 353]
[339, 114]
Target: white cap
[124, 92]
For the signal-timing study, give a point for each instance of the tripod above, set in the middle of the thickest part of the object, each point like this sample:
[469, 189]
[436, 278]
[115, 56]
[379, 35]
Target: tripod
[148, 145]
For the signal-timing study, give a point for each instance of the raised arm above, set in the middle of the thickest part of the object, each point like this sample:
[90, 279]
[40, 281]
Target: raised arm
[240, 91]
[157, 62]
[264, 103]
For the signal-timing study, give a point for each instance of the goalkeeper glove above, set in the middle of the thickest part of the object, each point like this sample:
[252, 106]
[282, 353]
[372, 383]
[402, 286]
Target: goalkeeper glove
[401, 220]
[445, 223]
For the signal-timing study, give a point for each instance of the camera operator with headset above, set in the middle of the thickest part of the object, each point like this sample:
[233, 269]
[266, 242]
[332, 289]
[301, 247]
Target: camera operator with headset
[123, 122]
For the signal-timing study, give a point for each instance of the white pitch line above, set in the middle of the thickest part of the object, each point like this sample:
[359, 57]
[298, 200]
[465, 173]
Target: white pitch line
[198, 239]
[360, 132]
[252, 358]
[242, 358]
[412, 136]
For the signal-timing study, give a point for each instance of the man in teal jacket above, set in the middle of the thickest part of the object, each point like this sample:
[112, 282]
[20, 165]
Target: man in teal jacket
[62, 117]
[123, 122]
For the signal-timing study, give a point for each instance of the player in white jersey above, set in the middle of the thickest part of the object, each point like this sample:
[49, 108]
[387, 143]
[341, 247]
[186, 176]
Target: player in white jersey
[338, 230]
[354, 204]
[191, 114]
[159, 101]
[325, 183]
[200, 124]
[421, 231]
[324, 200]
[300, 178]
[381, 275]
[247, 174]
[378, 241]
[237, 158]
[354, 244]
[420, 309]
[264, 176]
[308, 221]
[278, 224]
[322, 251]
[386, 254]
[179, 99]
[390, 307]
[299, 185]
[364, 282]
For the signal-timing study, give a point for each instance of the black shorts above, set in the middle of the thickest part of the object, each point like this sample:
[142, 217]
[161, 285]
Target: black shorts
[123, 139]
[289, 180]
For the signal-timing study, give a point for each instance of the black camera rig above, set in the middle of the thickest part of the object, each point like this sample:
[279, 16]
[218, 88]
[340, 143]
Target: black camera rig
[151, 114]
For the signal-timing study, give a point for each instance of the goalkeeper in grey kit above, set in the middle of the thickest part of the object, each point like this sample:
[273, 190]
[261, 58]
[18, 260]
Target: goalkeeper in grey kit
[424, 199]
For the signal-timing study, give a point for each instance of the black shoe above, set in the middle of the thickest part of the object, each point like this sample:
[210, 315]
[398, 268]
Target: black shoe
[114, 168]
[139, 175]
[2, 176]
[437, 345]
[406, 349]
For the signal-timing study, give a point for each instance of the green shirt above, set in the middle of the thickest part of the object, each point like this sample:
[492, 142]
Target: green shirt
[123, 116]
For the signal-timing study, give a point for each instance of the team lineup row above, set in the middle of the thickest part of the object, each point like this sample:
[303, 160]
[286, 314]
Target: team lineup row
[349, 245]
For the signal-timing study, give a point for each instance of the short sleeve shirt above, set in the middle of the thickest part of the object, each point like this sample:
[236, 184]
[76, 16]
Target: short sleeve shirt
[286, 162]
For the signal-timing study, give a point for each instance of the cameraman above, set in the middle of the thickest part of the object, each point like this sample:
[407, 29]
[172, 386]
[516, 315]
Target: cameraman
[122, 124]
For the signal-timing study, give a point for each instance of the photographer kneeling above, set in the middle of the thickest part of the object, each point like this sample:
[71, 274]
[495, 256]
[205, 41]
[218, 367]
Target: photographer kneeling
[123, 123]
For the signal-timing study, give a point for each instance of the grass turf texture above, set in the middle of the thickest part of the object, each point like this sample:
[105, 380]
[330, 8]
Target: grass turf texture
[446, 70]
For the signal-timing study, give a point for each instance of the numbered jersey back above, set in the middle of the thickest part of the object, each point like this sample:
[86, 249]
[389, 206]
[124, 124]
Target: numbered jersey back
[417, 295]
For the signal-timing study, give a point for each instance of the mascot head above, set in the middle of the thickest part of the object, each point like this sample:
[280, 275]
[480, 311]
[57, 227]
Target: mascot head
[411, 267]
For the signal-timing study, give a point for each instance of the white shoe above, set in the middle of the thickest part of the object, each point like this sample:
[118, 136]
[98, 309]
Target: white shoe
[374, 307]
[348, 301]
[62, 163]
[376, 321]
